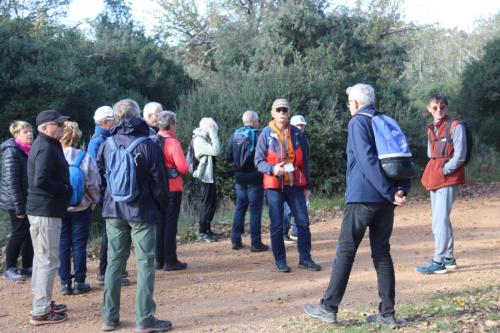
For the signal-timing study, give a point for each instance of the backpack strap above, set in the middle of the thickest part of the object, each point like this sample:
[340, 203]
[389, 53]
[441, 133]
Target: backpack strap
[448, 129]
[136, 142]
[79, 159]
[112, 143]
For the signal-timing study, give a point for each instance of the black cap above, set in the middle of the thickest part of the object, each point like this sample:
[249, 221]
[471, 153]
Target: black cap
[50, 116]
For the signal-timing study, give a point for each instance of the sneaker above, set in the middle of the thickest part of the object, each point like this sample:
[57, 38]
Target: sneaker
[99, 279]
[81, 288]
[50, 318]
[282, 267]
[159, 265]
[156, 326]
[236, 245]
[388, 320]
[124, 274]
[109, 325]
[310, 265]
[125, 282]
[450, 263]
[178, 266]
[259, 248]
[316, 311]
[66, 289]
[57, 308]
[26, 272]
[206, 238]
[288, 240]
[11, 274]
[432, 268]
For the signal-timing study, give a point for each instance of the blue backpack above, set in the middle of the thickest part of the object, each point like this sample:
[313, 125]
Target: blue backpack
[392, 148]
[244, 141]
[77, 180]
[121, 173]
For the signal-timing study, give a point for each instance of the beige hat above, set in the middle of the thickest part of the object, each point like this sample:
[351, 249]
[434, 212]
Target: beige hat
[104, 112]
[280, 103]
[298, 120]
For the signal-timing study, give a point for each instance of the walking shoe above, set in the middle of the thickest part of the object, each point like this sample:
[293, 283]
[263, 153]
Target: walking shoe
[156, 326]
[125, 282]
[388, 320]
[282, 267]
[159, 265]
[236, 245]
[178, 266]
[259, 248]
[432, 268]
[26, 272]
[50, 318]
[124, 274]
[57, 308]
[11, 274]
[109, 325]
[293, 236]
[309, 265]
[99, 279]
[450, 263]
[66, 289]
[206, 238]
[288, 240]
[316, 311]
[81, 288]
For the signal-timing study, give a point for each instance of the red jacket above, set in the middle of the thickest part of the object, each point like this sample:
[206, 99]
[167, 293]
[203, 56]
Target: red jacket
[174, 158]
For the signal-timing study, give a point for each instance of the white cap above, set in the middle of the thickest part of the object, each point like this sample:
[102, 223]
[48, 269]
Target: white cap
[298, 120]
[104, 112]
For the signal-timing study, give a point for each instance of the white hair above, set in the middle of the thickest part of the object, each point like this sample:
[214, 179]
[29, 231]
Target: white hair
[206, 122]
[363, 93]
[151, 107]
[249, 116]
[126, 109]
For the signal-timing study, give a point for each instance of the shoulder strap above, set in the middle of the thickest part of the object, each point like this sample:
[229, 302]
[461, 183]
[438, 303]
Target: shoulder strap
[112, 143]
[448, 129]
[79, 158]
[136, 142]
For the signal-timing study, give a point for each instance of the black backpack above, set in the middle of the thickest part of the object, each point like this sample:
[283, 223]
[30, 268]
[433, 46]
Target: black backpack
[191, 159]
[468, 138]
[243, 147]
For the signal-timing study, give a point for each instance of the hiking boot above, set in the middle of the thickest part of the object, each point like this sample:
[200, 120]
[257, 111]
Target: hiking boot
[81, 288]
[66, 289]
[316, 311]
[388, 320]
[26, 272]
[259, 248]
[50, 318]
[156, 326]
[310, 265]
[57, 308]
[206, 238]
[125, 282]
[432, 268]
[109, 325]
[288, 240]
[236, 245]
[159, 265]
[99, 279]
[293, 236]
[11, 274]
[178, 266]
[282, 267]
[450, 263]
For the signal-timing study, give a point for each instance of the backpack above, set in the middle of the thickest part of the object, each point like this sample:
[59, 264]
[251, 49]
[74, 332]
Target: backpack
[392, 147]
[77, 180]
[191, 159]
[243, 147]
[160, 140]
[121, 173]
[468, 138]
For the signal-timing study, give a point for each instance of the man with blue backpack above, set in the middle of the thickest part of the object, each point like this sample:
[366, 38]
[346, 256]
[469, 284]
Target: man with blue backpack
[249, 190]
[136, 189]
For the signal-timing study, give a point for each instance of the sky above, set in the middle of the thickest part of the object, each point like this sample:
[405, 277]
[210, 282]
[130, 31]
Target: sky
[446, 13]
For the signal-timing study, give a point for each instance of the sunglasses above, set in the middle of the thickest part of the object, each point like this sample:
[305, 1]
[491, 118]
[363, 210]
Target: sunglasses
[440, 108]
[282, 110]
[56, 124]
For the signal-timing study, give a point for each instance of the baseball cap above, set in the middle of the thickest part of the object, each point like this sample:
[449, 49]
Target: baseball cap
[104, 112]
[280, 103]
[298, 120]
[48, 116]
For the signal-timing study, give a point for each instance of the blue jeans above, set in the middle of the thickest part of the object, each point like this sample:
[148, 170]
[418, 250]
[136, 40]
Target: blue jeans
[287, 221]
[74, 236]
[295, 198]
[248, 196]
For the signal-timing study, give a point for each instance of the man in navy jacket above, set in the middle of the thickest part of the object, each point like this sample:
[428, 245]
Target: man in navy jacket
[370, 201]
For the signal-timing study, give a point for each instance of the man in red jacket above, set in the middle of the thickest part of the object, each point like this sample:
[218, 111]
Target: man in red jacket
[446, 148]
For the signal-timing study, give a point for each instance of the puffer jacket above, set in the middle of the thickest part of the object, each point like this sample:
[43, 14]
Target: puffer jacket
[14, 179]
[206, 146]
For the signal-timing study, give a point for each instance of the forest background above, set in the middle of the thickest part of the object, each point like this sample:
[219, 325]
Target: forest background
[242, 54]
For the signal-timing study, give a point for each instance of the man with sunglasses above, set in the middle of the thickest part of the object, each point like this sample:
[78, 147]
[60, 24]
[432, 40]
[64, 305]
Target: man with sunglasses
[446, 148]
[282, 157]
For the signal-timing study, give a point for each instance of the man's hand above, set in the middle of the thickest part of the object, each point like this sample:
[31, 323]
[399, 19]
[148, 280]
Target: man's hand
[21, 216]
[399, 198]
[307, 194]
[278, 169]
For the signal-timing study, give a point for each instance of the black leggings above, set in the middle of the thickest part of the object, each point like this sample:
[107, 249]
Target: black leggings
[19, 242]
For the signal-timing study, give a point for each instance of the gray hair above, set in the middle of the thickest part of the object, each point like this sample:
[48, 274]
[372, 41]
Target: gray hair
[151, 107]
[249, 117]
[166, 119]
[126, 109]
[363, 93]
[206, 122]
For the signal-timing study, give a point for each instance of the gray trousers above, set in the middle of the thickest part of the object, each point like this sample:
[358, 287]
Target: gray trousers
[45, 236]
[442, 202]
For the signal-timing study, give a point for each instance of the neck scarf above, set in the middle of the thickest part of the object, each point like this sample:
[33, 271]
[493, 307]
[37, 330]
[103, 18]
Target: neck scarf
[25, 147]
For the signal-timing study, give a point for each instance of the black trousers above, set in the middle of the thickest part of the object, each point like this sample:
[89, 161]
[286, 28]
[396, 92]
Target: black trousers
[208, 205]
[379, 218]
[166, 232]
[19, 242]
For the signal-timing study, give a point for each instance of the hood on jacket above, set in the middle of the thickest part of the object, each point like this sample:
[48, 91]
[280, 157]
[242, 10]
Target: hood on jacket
[134, 127]
[101, 131]
[8, 144]
[200, 132]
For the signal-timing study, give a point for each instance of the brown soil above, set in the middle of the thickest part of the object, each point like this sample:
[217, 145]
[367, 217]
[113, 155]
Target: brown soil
[239, 291]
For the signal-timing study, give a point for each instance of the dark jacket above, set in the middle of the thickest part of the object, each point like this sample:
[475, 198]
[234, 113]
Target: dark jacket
[151, 178]
[49, 189]
[366, 181]
[248, 173]
[100, 135]
[14, 181]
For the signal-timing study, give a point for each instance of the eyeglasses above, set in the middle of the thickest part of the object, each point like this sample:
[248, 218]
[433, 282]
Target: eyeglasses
[282, 110]
[348, 103]
[56, 124]
[440, 108]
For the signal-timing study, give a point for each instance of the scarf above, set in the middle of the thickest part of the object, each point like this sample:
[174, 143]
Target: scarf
[287, 155]
[25, 147]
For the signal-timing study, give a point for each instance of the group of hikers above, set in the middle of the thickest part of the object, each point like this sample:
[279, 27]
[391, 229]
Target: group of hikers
[133, 169]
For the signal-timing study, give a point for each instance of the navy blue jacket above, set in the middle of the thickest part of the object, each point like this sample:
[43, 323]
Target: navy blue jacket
[248, 174]
[151, 178]
[366, 181]
[14, 181]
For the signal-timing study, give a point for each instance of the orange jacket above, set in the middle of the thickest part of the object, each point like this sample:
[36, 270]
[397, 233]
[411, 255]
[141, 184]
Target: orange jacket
[174, 158]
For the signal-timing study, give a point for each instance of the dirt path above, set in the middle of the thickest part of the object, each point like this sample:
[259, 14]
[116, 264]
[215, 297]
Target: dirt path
[239, 291]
